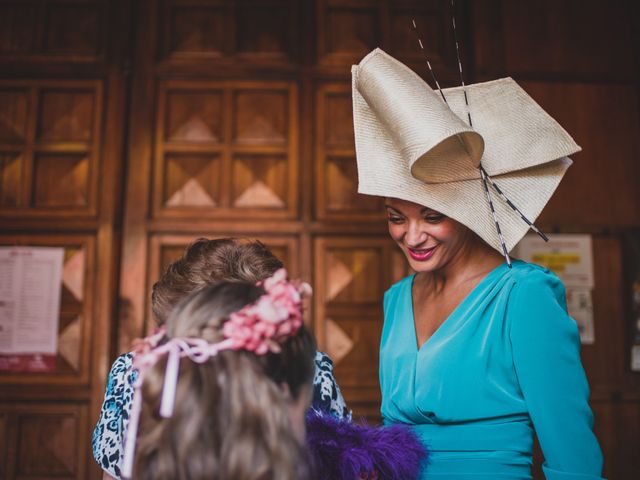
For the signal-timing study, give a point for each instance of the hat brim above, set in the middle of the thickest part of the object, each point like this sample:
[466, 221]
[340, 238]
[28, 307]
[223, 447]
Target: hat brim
[465, 201]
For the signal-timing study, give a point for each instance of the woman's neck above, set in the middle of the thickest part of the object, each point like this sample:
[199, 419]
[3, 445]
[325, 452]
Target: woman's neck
[474, 259]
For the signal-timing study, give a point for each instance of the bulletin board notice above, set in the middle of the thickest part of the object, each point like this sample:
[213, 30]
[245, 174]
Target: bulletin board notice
[30, 283]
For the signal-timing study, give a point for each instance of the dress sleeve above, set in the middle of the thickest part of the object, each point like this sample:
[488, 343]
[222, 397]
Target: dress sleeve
[108, 435]
[327, 396]
[546, 355]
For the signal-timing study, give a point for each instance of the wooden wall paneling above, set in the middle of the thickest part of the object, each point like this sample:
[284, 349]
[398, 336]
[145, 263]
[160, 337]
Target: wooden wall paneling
[76, 311]
[433, 22]
[111, 188]
[190, 139]
[605, 360]
[351, 276]
[600, 189]
[346, 30]
[14, 134]
[50, 142]
[197, 30]
[579, 60]
[627, 462]
[133, 266]
[225, 147]
[231, 32]
[46, 441]
[569, 42]
[336, 175]
[267, 30]
[48, 31]
[617, 426]
[18, 28]
[614, 399]
[570, 39]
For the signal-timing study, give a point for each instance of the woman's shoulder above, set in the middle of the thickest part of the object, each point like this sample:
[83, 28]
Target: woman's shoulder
[530, 274]
[530, 281]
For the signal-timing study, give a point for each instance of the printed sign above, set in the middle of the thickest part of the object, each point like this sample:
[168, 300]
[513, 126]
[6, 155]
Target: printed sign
[30, 282]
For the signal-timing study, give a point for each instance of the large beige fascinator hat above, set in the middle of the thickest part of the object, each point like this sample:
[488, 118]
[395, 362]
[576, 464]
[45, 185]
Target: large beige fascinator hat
[412, 145]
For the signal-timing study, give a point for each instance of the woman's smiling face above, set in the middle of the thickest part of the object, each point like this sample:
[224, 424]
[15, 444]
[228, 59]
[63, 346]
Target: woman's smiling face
[428, 238]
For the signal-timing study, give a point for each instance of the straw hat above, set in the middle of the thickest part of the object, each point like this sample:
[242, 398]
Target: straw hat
[412, 145]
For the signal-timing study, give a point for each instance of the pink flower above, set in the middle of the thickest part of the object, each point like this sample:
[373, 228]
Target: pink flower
[276, 315]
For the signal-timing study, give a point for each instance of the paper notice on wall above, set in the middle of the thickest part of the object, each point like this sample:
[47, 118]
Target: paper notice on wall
[571, 258]
[580, 308]
[568, 256]
[30, 282]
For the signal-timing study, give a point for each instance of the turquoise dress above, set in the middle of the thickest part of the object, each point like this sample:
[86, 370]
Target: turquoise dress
[505, 362]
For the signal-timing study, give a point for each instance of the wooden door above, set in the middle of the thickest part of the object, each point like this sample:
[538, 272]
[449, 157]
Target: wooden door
[242, 126]
[62, 111]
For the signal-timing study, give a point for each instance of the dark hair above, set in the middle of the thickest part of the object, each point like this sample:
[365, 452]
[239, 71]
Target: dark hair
[207, 262]
[231, 414]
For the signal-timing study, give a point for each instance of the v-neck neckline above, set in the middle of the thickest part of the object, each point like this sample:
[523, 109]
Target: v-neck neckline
[454, 312]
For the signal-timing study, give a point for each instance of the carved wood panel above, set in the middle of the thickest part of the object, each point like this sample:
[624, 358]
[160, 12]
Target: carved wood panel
[62, 129]
[348, 30]
[336, 171]
[262, 31]
[555, 39]
[47, 30]
[49, 147]
[351, 276]
[601, 187]
[44, 441]
[76, 310]
[225, 148]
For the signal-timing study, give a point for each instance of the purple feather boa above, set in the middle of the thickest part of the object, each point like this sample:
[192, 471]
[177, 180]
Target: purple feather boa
[341, 450]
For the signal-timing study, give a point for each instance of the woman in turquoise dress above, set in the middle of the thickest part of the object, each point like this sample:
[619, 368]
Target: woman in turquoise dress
[478, 352]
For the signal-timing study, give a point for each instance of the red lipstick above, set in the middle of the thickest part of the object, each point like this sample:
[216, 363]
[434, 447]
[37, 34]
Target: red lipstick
[421, 255]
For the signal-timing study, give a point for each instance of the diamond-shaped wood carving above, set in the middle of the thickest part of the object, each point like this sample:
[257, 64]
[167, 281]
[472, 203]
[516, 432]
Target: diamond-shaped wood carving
[259, 181]
[73, 272]
[194, 116]
[350, 31]
[341, 188]
[197, 29]
[263, 29]
[70, 343]
[47, 445]
[338, 120]
[358, 367]
[60, 180]
[14, 105]
[339, 344]
[261, 117]
[349, 274]
[66, 116]
[192, 180]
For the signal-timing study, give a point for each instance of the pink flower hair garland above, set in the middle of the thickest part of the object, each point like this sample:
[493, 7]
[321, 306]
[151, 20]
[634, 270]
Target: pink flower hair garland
[260, 327]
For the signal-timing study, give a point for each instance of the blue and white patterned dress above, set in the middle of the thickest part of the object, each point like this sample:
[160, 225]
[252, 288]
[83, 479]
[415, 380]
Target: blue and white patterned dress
[108, 436]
